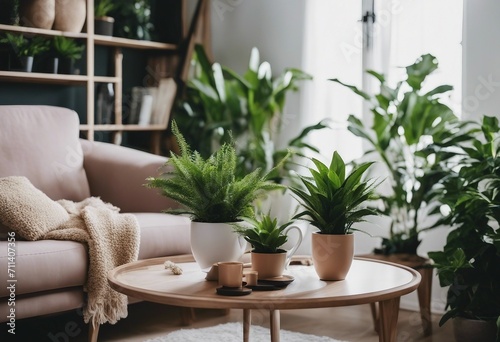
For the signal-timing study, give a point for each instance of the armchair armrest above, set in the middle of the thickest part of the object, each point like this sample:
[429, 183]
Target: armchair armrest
[117, 174]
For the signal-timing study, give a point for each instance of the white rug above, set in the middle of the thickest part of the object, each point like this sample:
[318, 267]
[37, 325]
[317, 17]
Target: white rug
[233, 332]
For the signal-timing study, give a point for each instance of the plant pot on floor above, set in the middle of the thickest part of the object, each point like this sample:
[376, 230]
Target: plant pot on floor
[104, 26]
[473, 330]
[215, 242]
[332, 255]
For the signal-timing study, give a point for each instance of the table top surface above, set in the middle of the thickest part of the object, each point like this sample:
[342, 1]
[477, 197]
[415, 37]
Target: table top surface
[367, 281]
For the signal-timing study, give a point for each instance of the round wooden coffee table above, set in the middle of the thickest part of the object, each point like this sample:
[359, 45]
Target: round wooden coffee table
[368, 281]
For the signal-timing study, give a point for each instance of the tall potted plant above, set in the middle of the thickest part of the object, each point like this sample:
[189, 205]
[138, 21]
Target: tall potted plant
[214, 196]
[470, 260]
[221, 105]
[411, 134]
[267, 238]
[333, 201]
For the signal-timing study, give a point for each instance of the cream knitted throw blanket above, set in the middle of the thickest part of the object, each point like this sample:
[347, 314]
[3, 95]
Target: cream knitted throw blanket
[113, 240]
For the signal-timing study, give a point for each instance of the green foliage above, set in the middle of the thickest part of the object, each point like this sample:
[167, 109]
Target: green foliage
[265, 235]
[132, 19]
[221, 105]
[333, 199]
[412, 134]
[470, 260]
[209, 188]
[67, 47]
[103, 7]
[26, 47]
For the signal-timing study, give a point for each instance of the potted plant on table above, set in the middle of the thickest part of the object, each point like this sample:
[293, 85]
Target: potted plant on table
[333, 201]
[470, 260]
[213, 196]
[266, 238]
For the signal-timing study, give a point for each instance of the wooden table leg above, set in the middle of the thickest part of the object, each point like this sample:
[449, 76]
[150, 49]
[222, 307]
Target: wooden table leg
[424, 291]
[388, 320]
[93, 332]
[275, 325]
[187, 316]
[374, 309]
[247, 322]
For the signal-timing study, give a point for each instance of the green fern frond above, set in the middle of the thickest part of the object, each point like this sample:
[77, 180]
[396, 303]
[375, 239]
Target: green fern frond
[209, 189]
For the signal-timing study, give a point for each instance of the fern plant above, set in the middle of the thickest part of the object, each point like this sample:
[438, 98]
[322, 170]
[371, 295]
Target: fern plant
[209, 188]
[332, 202]
[265, 235]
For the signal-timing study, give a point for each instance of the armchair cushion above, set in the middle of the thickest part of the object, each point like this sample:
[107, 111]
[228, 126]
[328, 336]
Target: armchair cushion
[26, 210]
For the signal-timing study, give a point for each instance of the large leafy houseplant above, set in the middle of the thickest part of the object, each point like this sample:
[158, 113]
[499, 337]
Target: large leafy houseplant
[333, 198]
[411, 132]
[470, 260]
[221, 105]
[209, 188]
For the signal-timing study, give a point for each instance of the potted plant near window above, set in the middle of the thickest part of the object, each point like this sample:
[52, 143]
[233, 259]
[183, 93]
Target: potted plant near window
[470, 260]
[213, 196]
[25, 50]
[67, 51]
[411, 134]
[266, 238]
[333, 201]
[103, 23]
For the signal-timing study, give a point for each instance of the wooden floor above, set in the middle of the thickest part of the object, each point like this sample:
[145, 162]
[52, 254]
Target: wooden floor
[148, 320]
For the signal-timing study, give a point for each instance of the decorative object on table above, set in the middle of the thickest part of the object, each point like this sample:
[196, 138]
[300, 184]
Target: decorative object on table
[221, 105]
[213, 196]
[266, 238]
[24, 50]
[411, 136]
[103, 22]
[470, 260]
[332, 203]
[176, 269]
[230, 273]
[68, 51]
[70, 15]
[37, 13]
[9, 12]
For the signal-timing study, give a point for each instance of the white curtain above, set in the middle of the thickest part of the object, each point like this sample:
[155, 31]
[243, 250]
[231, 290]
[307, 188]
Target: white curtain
[335, 47]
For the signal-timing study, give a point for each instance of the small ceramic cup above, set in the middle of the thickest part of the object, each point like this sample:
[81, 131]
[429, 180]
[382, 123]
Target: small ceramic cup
[230, 273]
[251, 278]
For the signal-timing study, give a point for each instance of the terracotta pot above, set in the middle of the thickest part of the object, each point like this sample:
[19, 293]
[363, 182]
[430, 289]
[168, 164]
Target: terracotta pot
[332, 255]
[70, 15]
[215, 242]
[472, 330]
[37, 13]
[268, 265]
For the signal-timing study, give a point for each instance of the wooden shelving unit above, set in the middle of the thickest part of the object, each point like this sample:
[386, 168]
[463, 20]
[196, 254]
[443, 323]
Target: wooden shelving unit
[90, 79]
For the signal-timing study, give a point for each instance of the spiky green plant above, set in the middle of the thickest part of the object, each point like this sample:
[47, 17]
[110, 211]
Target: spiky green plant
[332, 202]
[210, 189]
[264, 235]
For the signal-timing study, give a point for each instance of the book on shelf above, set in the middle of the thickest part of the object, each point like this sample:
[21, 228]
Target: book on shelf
[152, 105]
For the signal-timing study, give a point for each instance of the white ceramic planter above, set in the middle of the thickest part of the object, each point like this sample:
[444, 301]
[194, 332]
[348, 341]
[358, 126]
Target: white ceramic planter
[215, 242]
